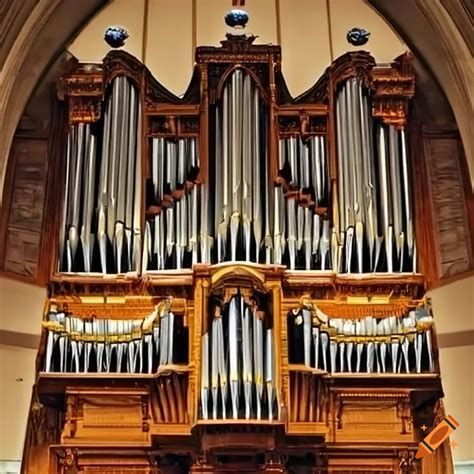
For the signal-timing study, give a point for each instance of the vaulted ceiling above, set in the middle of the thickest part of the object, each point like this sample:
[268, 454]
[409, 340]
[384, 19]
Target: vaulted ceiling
[33, 32]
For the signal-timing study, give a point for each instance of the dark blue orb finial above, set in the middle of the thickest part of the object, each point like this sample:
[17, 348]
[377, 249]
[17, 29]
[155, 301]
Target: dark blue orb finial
[236, 19]
[115, 36]
[357, 36]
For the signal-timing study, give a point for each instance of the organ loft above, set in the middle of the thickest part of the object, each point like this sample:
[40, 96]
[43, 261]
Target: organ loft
[237, 277]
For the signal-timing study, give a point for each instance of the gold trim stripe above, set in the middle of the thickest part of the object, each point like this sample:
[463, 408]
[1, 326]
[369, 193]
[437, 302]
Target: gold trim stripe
[146, 8]
[328, 12]
[193, 30]
[278, 21]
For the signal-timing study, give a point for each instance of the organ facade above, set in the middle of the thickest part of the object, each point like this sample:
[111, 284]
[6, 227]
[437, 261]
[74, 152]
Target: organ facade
[238, 276]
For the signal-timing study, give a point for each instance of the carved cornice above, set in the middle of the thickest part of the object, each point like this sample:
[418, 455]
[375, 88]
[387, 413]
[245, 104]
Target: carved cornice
[120, 63]
[316, 94]
[156, 286]
[238, 276]
[84, 91]
[238, 49]
[131, 307]
[393, 87]
[357, 64]
[85, 86]
[352, 64]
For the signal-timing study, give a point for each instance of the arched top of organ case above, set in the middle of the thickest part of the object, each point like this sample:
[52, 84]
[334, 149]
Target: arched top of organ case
[294, 141]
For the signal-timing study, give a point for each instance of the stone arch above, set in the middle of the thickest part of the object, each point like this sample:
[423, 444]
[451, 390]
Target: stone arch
[436, 31]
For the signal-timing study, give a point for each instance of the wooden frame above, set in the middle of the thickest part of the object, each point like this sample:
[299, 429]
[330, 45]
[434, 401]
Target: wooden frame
[329, 443]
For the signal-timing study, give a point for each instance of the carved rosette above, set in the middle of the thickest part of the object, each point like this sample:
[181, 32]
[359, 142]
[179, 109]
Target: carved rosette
[67, 458]
[408, 464]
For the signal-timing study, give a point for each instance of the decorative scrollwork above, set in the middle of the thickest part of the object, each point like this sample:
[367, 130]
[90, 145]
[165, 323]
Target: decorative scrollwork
[67, 457]
[408, 463]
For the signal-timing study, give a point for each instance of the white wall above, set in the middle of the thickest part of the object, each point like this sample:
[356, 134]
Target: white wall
[305, 38]
[457, 369]
[17, 377]
[453, 307]
[21, 306]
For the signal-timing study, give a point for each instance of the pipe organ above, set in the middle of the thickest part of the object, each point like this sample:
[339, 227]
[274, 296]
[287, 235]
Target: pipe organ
[101, 225]
[391, 344]
[249, 348]
[85, 343]
[375, 212]
[237, 283]
[171, 235]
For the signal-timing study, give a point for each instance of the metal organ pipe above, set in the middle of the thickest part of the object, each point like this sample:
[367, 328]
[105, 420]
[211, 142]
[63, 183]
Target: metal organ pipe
[238, 353]
[240, 136]
[389, 344]
[140, 345]
[373, 186]
[114, 194]
[297, 227]
[239, 207]
[174, 229]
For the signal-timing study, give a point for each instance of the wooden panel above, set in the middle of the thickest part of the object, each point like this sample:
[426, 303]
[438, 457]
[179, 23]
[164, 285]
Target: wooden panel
[448, 204]
[68, 460]
[116, 470]
[24, 199]
[105, 414]
[362, 470]
[372, 416]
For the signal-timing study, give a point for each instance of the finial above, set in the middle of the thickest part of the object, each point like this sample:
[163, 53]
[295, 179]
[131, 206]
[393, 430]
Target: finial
[115, 36]
[236, 19]
[357, 36]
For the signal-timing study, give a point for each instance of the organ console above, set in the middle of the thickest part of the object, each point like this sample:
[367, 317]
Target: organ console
[236, 283]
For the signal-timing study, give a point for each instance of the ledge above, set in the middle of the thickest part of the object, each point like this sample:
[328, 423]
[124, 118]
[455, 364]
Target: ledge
[52, 385]
[185, 277]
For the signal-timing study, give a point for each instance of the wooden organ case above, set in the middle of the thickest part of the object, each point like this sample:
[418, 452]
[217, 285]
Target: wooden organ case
[238, 278]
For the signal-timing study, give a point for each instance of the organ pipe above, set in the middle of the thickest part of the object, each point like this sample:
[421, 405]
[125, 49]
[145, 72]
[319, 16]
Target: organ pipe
[375, 212]
[241, 213]
[115, 228]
